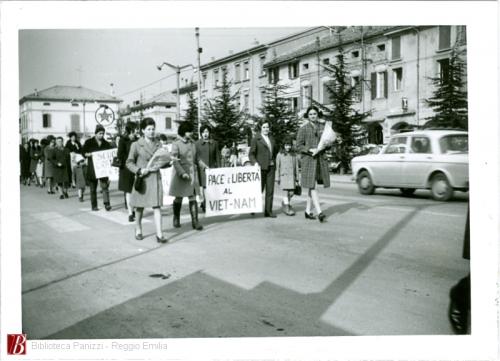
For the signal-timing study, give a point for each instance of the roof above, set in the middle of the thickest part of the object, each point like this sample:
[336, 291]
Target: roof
[234, 56]
[346, 36]
[70, 93]
[162, 99]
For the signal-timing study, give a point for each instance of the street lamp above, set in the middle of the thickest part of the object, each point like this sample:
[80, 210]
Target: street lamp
[198, 52]
[178, 72]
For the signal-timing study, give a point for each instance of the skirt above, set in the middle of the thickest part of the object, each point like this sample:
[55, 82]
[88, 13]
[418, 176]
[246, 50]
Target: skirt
[39, 170]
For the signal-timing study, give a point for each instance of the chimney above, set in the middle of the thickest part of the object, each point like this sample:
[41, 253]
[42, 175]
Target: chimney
[212, 58]
[36, 92]
[231, 52]
[112, 86]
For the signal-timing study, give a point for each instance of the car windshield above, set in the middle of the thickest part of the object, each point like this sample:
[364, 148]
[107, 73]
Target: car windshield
[457, 143]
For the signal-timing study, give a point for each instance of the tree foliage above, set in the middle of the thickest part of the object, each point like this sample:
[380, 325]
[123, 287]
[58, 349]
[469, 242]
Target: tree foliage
[449, 99]
[192, 114]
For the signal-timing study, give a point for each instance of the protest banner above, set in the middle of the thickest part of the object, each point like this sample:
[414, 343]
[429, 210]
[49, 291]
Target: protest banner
[234, 190]
[102, 164]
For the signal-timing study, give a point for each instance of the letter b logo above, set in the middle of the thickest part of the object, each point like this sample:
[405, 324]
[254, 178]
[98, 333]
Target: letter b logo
[16, 344]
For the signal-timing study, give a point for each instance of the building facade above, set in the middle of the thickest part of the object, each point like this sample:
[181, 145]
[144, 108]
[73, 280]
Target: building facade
[61, 109]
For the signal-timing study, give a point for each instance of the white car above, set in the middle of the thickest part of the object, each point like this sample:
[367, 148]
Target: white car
[427, 159]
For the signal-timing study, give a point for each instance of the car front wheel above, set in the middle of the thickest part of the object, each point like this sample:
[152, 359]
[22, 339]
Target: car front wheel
[441, 189]
[407, 191]
[365, 184]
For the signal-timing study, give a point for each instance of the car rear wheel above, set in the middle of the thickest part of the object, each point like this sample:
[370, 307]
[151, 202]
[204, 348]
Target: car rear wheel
[441, 189]
[407, 191]
[365, 184]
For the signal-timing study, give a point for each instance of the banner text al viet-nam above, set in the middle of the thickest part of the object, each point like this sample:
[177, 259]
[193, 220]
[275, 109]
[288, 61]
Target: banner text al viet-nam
[234, 190]
[102, 164]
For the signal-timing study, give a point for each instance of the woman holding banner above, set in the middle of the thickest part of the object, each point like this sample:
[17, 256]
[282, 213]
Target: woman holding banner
[148, 190]
[185, 175]
[314, 166]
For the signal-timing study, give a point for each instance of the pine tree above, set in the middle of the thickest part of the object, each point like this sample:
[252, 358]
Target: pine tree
[192, 114]
[346, 121]
[226, 119]
[449, 100]
[277, 111]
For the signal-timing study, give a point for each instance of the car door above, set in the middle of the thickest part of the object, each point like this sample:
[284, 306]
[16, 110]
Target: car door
[418, 161]
[388, 170]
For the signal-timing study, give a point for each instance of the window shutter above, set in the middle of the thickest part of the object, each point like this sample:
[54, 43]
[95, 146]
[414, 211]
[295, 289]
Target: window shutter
[444, 37]
[373, 84]
[396, 47]
[385, 84]
[75, 122]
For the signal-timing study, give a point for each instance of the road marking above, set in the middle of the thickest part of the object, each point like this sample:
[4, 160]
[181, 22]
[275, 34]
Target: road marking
[60, 223]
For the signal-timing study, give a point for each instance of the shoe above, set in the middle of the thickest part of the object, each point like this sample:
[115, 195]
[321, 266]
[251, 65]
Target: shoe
[270, 215]
[107, 207]
[95, 209]
[139, 237]
[193, 209]
[80, 199]
[321, 217]
[309, 215]
[66, 195]
[131, 218]
[290, 211]
[177, 213]
[161, 240]
[61, 196]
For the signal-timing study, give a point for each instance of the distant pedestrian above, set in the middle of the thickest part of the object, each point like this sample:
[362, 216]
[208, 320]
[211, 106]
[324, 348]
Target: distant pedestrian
[126, 177]
[314, 168]
[233, 156]
[263, 152]
[163, 140]
[185, 175]
[208, 153]
[74, 146]
[95, 144]
[35, 156]
[62, 163]
[287, 174]
[80, 174]
[48, 167]
[148, 190]
[25, 160]
[225, 153]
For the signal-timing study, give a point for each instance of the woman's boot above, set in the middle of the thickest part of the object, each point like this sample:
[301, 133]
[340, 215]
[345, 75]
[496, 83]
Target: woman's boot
[193, 209]
[177, 213]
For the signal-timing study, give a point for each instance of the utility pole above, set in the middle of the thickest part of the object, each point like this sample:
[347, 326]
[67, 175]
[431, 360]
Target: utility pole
[198, 52]
[178, 73]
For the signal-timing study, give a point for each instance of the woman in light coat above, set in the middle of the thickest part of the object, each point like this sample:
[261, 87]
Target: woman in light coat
[185, 175]
[314, 168]
[151, 194]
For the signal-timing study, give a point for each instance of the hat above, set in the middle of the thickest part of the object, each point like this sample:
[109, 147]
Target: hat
[99, 128]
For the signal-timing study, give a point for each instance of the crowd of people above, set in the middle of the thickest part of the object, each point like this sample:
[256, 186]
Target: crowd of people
[58, 166]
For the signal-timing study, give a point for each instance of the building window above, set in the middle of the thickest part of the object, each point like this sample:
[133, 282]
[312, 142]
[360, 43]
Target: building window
[263, 96]
[398, 78]
[356, 85]
[305, 66]
[238, 103]
[262, 60]
[381, 47]
[75, 123]
[224, 71]
[168, 123]
[295, 104]
[444, 69]
[47, 123]
[246, 71]
[293, 70]
[327, 85]
[355, 54]
[274, 75]
[326, 61]
[237, 72]
[46, 104]
[306, 96]
[444, 37]
[74, 104]
[216, 78]
[246, 103]
[396, 48]
[379, 85]
[204, 80]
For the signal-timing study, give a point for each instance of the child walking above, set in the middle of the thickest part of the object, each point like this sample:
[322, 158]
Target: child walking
[287, 174]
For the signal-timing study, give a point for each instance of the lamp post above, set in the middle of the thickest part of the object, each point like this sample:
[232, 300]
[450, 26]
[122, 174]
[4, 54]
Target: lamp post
[178, 72]
[198, 52]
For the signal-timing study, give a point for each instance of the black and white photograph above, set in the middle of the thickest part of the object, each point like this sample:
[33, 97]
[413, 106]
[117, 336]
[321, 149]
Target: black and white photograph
[240, 184]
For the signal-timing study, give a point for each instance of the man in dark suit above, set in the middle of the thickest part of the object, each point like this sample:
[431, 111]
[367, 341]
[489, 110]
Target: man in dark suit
[263, 152]
[95, 144]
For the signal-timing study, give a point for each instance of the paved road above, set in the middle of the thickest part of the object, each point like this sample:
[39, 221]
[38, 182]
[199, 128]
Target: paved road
[380, 265]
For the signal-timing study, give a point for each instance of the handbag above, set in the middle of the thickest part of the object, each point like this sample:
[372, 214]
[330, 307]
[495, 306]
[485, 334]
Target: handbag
[139, 185]
[297, 190]
[116, 162]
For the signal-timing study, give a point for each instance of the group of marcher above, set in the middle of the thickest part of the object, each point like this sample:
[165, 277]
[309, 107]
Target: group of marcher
[54, 164]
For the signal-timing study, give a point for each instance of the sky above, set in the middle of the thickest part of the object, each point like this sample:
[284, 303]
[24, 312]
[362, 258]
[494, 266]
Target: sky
[127, 58]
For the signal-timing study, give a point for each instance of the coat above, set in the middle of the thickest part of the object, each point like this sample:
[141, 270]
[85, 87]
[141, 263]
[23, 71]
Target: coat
[90, 146]
[208, 153]
[48, 168]
[185, 151]
[74, 148]
[308, 137]
[126, 177]
[80, 171]
[140, 153]
[260, 152]
[35, 155]
[24, 158]
[61, 162]
[287, 170]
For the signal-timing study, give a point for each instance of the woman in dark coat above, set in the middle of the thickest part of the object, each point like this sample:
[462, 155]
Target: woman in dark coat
[314, 169]
[208, 153]
[48, 167]
[185, 175]
[126, 177]
[61, 162]
[35, 155]
[73, 145]
[24, 158]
